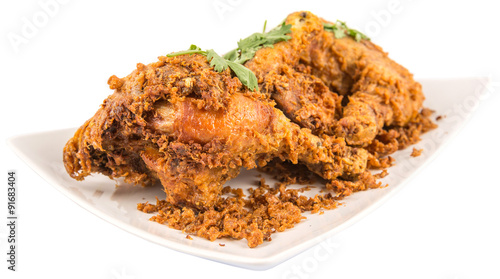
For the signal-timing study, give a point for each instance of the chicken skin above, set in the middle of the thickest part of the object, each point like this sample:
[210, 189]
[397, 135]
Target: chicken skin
[312, 73]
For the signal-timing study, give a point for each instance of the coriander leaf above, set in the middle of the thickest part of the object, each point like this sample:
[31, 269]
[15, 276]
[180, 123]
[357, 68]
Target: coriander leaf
[337, 29]
[339, 33]
[245, 51]
[244, 74]
[340, 30]
[219, 63]
[193, 49]
[248, 46]
[216, 61]
[232, 55]
[328, 26]
[279, 34]
[252, 41]
[247, 54]
[358, 36]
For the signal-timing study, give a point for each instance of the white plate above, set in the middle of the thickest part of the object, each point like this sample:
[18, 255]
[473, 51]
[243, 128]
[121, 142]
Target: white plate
[454, 98]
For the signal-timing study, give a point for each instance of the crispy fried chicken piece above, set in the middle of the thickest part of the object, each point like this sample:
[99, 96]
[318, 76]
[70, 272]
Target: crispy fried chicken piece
[309, 74]
[109, 142]
[179, 121]
[211, 147]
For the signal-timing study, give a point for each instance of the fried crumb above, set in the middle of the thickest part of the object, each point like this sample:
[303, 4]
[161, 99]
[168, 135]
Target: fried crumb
[439, 117]
[189, 237]
[146, 207]
[382, 174]
[222, 244]
[265, 211]
[271, 209]
[416, 152]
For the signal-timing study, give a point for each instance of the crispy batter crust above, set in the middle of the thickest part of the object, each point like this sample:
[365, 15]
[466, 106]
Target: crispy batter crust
[325, 106]
[310, 74]
[194, 141]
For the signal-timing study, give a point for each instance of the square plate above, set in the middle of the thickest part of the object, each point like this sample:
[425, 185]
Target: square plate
[455, 99]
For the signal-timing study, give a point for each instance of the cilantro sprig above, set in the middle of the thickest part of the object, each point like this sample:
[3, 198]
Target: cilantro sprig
[220, 64]
[340, 30]
[245, 51]
[248, 47]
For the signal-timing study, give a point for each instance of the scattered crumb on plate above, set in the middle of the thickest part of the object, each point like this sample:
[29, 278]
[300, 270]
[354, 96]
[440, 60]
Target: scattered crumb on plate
[416, 152]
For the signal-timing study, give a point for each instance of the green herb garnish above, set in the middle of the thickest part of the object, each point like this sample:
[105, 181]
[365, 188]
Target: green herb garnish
[220, 64]
[248, 46]
[340, 30]
[245, 51]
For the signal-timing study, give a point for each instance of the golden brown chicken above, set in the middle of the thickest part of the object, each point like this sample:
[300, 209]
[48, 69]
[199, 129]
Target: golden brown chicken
[334, 103]
[179, 121]
[309, 74]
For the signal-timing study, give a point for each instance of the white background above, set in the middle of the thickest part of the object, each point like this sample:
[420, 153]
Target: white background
[444, 224]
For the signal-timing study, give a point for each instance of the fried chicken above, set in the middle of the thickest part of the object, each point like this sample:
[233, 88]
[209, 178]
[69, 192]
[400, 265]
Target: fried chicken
[311, 73]
[179, 121]
[335, 105]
